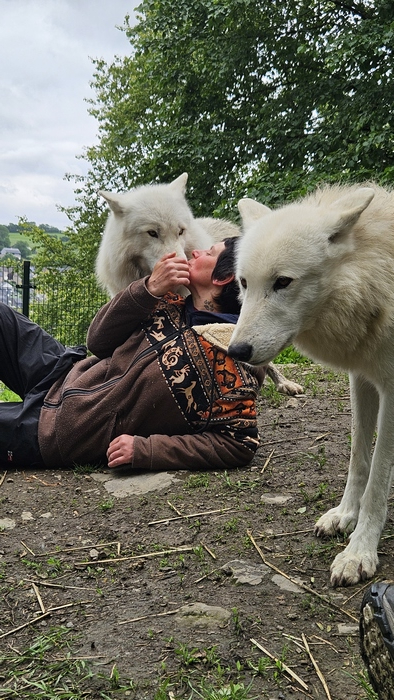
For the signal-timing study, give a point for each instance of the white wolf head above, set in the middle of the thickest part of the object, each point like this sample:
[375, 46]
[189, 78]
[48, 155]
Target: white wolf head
[143, 225]
[287, 261]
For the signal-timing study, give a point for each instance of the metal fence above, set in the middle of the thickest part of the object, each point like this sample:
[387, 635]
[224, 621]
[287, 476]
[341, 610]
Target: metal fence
[59, 303]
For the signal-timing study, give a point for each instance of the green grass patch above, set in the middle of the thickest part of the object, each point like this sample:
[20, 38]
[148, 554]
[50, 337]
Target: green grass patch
[48, 669]
[7, 394]
[291, 356]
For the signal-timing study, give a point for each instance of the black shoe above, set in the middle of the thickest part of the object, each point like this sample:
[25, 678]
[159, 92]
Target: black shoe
[377, 637]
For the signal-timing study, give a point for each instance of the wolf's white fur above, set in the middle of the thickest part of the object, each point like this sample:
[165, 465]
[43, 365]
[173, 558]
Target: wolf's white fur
[145, 224]
[319, 273]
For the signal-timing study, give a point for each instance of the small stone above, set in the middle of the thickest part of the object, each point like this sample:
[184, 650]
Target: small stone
[273, 499]
[26, 515]
[7, 524]
[345, 630]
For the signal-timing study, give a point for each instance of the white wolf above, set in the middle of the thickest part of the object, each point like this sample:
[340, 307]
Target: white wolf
[150, 221]
[145, 224]
[320, 274]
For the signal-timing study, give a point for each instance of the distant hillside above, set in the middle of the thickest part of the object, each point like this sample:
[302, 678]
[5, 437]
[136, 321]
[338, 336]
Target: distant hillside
[15, 228]
[14, 236]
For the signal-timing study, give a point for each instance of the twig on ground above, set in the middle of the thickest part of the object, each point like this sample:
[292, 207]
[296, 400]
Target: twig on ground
[44, 483]
[178, 512]
[267, 461]
[208, 550]
[284, 534]
[191, 515]
[316, 667]
[283, 665]
[2, 477]
[325, 600]
[70, 605]
[28, 549]
[206, 575]
[176, 550]
[295, 640]
[57, 585]
[366, 585]
[26, 624]
[325, 641]
[145, 617]
[37, 592]
[75, 549]
[320, 437]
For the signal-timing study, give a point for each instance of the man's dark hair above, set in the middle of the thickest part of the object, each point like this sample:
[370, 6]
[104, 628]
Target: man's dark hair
[228, 297]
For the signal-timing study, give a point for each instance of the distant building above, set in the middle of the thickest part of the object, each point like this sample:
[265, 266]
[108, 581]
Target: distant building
[11, 251]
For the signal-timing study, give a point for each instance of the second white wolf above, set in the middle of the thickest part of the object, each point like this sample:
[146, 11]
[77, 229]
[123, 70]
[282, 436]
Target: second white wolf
[319, 273]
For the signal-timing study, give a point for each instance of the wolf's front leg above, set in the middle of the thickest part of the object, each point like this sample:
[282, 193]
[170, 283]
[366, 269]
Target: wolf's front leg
[365, 403]
[360, 559]
[283, 385]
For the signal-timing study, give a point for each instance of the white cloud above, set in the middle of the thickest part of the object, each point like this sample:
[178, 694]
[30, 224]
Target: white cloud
[46, 47]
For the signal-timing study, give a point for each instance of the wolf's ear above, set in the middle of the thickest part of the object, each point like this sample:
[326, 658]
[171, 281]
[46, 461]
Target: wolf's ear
[251, 210]
[180, 183]
[350, 207]
[114, 201]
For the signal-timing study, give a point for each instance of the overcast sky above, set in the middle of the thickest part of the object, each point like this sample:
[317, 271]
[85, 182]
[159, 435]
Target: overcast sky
[46, 48]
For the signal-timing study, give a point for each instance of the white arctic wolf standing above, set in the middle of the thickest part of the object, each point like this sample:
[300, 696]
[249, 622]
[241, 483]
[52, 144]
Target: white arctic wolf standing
[150, 221]
[320, 274]
[145, 224]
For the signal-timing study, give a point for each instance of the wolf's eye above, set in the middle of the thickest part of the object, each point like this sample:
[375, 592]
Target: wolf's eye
[243, 282]
[181, 231]
[153, 234]
[282, 283]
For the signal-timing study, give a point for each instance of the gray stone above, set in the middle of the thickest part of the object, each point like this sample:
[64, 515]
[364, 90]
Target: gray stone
[123, 486]
[285, 584]
[346, 630]
[7, 524]
[201, 615]
[274, 499]
[245, 572]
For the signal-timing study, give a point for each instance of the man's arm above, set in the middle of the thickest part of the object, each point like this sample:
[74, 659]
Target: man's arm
[116, 321]
[208, 450]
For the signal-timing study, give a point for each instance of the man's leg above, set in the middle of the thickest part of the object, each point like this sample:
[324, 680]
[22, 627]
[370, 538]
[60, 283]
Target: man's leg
[27, 353]
[30, 362]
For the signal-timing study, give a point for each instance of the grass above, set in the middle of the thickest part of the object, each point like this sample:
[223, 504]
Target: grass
[7, 394]
[48, 669]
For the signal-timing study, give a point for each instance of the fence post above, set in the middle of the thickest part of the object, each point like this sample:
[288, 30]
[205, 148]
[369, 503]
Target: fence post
[26, 288]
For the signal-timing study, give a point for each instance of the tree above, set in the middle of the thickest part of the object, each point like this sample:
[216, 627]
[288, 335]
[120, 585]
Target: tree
[258, 98]
[24, 249]
[5, 241]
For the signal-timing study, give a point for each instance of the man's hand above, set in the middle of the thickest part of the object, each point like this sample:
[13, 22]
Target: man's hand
[169, 273]
[120, 451]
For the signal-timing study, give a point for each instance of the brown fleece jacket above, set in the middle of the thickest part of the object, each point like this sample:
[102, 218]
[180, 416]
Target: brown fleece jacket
[187, 403]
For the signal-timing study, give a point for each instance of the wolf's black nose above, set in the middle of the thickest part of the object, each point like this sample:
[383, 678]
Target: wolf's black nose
[240, 351]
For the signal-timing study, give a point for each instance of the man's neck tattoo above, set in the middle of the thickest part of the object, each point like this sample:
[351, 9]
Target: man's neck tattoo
[208, 305]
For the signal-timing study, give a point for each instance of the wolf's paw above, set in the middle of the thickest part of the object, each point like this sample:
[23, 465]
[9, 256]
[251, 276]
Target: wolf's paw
[349, 567]
[335, 520]
[289, 388]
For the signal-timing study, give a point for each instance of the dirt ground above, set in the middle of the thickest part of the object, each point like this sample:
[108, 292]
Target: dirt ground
[124, 586]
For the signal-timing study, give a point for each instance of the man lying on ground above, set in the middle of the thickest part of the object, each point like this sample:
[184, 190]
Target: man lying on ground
[159, 391]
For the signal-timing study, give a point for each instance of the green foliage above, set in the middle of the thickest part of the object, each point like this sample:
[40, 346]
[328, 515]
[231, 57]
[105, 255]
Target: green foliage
[24, 249]
[5, 241]
[291, 356]
[256, 98]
